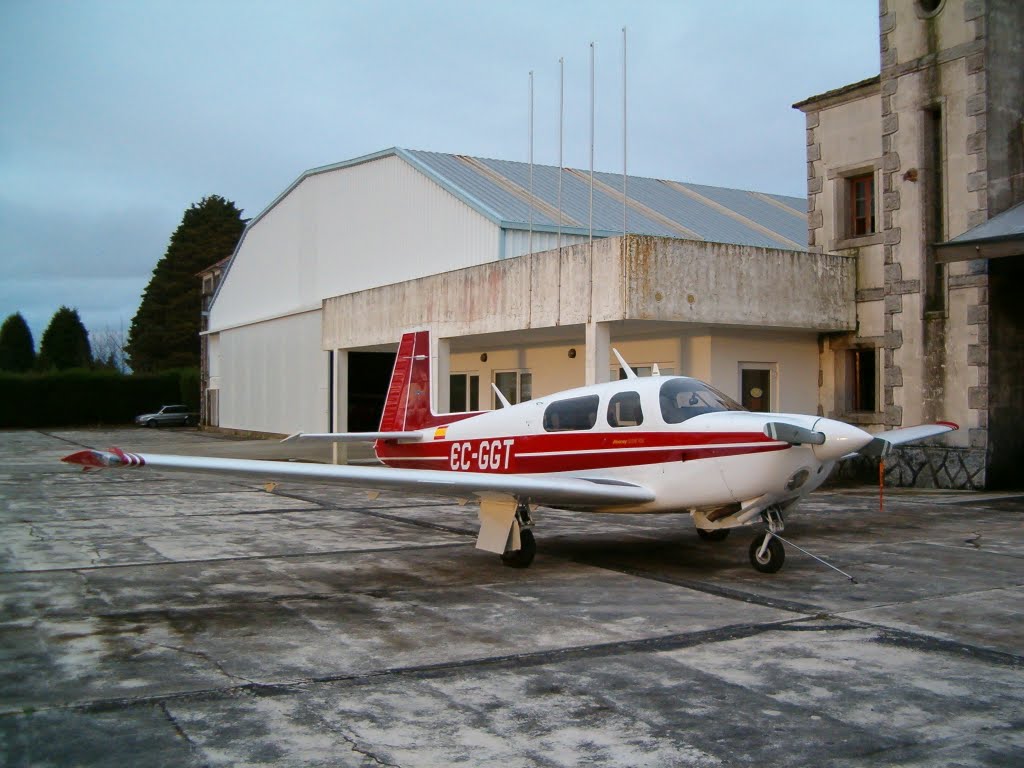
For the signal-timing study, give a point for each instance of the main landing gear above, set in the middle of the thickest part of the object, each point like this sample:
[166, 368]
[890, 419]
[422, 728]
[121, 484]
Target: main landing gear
[766, 551]
[522, 557]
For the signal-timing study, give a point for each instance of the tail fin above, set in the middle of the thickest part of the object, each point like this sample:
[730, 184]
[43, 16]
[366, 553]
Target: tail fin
[410, 385]
[407, 406]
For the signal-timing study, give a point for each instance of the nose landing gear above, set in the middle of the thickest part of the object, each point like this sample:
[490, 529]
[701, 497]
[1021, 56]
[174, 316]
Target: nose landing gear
[766, 551]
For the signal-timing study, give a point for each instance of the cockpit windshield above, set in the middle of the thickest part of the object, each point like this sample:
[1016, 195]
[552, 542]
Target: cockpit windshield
[683, 398]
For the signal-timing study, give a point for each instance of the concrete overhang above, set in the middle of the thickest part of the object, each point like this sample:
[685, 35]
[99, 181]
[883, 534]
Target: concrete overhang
[646, 285]
[979, 249]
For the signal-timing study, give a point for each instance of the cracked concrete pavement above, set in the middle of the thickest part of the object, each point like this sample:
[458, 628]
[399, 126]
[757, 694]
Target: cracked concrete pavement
[152, 619]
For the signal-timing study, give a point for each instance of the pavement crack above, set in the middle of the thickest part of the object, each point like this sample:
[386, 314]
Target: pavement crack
[179, 731]
[354, 746]
[205, 657]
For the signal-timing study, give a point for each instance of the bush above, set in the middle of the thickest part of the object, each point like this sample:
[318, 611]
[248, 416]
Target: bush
[90, 397]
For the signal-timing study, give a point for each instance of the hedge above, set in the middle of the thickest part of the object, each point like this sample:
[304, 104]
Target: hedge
[88, 398]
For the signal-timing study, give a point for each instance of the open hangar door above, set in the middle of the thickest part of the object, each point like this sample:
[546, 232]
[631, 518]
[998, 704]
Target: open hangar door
[369, 374]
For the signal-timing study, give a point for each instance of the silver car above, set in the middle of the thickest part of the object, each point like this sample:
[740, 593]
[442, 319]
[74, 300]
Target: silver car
[168, 416]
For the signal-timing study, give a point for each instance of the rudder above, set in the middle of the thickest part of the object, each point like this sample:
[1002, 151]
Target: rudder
[407, 406]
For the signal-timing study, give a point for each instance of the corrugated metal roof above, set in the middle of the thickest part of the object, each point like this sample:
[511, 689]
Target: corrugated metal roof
[501, 189]
[1006, 225]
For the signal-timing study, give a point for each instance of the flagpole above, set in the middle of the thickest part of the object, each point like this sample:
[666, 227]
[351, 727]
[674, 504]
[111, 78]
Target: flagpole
[561, 143]
[624, 176]
[530, 244]
[591, 146]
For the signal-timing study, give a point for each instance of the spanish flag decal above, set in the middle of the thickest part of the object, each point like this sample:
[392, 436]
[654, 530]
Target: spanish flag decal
[439, 433]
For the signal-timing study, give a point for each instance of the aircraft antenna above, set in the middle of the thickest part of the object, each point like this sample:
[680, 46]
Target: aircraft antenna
[630, 373]
[501, 398]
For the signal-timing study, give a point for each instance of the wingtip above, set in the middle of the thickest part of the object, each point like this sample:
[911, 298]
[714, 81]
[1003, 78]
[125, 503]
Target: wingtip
[87, 459]
[114, 457]
[952, 425]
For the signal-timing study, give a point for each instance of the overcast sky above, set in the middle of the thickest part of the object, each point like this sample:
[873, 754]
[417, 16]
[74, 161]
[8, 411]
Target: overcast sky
[118, 115]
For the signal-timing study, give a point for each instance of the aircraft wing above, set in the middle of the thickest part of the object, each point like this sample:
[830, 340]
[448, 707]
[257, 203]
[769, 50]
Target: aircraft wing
[572, 491]
[354, 437]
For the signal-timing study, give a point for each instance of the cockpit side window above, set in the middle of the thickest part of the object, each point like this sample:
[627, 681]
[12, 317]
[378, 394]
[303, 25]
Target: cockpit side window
[570, 414]
[624, 410]
[682, 399]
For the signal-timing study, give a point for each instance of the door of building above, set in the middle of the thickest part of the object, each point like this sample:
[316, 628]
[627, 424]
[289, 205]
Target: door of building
[756, 386]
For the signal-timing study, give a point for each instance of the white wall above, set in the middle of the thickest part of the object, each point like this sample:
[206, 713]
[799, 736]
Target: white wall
[336, 232]
[518, 241]
[273, 376]
[796, 357]
[346, 230]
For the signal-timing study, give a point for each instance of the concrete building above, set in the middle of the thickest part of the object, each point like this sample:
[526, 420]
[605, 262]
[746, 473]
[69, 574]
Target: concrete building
[709, 281]
[897, 165]
[875, 300]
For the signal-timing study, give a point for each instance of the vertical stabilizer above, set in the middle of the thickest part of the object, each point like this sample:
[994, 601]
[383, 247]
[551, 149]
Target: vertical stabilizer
[407, 406]
[408, 399]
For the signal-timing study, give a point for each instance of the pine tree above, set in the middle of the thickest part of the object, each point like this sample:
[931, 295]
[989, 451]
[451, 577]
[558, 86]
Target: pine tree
[165, 331]
[65, 342]
[17, 349]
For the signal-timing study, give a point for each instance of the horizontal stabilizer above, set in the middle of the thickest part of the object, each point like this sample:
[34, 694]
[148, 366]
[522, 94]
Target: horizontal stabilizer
[792, 434]
[354, 437]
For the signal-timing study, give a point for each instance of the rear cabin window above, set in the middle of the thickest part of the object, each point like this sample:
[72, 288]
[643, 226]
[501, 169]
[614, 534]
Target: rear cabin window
[624, 410]
[682, 399]
[574, 413]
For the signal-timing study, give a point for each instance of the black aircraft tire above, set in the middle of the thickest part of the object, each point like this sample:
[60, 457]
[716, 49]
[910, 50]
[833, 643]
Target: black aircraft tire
[717, 534]
[521, 558]
[774, 556]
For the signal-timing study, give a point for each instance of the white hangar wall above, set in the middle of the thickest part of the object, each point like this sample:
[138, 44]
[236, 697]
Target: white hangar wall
[348, 229]
[277, 376]
[337, 230]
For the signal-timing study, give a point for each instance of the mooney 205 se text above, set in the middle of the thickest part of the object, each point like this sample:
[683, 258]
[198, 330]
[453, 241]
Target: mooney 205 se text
[638, 445]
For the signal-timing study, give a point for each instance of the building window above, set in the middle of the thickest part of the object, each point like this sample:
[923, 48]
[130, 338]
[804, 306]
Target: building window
[463, 392]
[643, 370]
[516, 386]
[934, 208]
[861, 205]
[861, 380]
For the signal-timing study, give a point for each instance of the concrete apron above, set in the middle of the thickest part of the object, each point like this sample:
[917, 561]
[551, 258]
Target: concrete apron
[152, 619]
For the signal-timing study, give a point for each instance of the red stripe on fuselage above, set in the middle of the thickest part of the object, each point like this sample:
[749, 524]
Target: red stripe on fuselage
[566, 452]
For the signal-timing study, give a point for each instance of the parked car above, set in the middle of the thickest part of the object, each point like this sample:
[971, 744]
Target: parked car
[168, 416]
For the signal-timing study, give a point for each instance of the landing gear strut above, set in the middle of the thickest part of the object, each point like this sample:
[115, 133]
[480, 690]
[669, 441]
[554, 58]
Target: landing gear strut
[766, 551]
[522, 557]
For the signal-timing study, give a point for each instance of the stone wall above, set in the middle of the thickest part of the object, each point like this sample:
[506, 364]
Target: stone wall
[917, 466]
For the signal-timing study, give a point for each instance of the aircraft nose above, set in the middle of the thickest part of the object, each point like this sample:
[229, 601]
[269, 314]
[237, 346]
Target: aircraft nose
[840, 439]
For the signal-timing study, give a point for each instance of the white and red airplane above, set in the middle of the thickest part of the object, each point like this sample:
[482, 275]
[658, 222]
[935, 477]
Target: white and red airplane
[639, 445]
